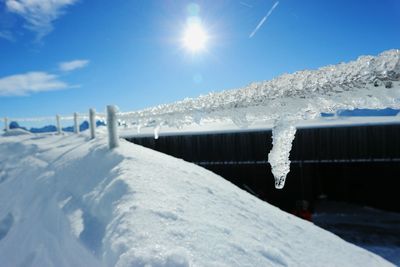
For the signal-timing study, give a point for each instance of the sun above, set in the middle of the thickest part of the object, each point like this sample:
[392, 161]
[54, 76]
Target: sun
[195, 37]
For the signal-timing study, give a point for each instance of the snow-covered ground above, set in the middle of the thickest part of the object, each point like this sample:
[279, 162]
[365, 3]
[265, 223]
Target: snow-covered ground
[375, 230]
[66, 200]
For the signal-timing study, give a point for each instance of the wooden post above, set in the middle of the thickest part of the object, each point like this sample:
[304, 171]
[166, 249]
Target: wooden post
[6, 126]
[92, 123]
[76, 125]
[59, 130]
[113, 141]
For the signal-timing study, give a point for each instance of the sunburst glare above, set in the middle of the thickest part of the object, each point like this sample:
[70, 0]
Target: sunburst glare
[195, 37]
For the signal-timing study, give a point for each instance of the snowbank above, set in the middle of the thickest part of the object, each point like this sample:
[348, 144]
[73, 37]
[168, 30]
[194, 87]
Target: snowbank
[66, 200]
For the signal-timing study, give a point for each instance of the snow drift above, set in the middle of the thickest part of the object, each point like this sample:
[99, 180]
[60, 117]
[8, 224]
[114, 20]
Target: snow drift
[66, 200]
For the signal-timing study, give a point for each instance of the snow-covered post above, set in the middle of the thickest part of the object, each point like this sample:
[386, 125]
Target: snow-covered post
[112, 126]
[59, 130]
[76, 126]
[92, 123]
[6, 126]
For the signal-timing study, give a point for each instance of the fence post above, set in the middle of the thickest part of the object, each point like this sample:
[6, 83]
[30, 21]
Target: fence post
[112, 127]
[76, 125]
[6, 126]
[92, 123]
[59, 130]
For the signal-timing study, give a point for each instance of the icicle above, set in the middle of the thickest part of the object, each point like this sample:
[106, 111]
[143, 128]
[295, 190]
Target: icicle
[283, 134]
[156, 131]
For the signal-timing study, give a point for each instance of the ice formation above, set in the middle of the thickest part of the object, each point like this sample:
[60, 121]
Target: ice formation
[368, 82]
[283, 136]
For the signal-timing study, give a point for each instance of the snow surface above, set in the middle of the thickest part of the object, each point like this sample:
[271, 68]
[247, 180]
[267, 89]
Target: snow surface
[229, 127]
[67, 200]
[368, 82]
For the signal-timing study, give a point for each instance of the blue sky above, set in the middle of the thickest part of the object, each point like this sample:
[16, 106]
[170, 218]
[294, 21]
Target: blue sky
[69, 55]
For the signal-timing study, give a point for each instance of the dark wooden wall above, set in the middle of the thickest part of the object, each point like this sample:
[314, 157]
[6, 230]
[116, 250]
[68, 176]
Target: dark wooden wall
[359, 164]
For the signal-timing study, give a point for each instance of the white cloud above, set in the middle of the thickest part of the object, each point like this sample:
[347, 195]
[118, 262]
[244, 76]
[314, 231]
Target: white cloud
[39, 14]
[73, 65]
[7, 35]
[263, 20]
[30, 82]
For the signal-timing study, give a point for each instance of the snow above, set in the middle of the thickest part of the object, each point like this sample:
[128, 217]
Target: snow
[229, 127]
[15, 132]
[67, 200]
[368, 82]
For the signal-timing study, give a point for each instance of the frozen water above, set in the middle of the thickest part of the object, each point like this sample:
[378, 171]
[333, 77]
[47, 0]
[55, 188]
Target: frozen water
[156, 131]
[283, 135]
[368, 82]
